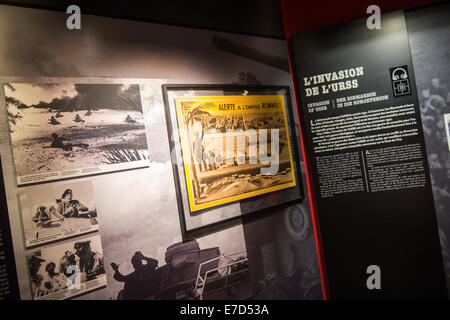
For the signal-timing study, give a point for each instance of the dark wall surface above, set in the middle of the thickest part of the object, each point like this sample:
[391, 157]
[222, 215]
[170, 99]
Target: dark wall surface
[300, 16]
[261, 18]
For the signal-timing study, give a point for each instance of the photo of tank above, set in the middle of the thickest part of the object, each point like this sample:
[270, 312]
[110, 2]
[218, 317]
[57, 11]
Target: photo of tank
[189, 273]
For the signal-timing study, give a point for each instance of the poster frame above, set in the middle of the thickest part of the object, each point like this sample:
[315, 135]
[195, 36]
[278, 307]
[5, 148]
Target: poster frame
[228, 89]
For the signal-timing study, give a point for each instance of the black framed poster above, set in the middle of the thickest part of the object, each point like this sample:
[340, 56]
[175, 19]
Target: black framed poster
[233, 149]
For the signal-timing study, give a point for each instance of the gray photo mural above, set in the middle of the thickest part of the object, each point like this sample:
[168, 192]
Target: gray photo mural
[429, 30]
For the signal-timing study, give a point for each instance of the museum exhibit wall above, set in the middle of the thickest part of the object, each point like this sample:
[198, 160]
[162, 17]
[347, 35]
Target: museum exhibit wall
[426, 30]
[137, 209]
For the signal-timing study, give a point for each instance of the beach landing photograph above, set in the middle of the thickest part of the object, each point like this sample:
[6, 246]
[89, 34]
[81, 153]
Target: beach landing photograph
[69, 130]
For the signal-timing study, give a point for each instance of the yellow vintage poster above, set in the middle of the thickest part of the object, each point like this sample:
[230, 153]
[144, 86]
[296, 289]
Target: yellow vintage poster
[234, 147]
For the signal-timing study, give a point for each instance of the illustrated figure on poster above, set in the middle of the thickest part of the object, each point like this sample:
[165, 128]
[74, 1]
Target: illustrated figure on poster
[91, 263]
[143, 282]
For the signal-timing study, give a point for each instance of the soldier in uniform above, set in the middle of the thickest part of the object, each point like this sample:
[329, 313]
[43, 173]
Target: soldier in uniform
[69, 259]
[53, 121]
[53, 281]
[129, 119]
[34, 264]
[43, 216]
[78, 118]
[68, 207]
[91, 263]
[58, 142]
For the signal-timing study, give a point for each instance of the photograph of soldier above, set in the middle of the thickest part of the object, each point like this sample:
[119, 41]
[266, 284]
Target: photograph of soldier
[69, 259]
[68, 127]
[52, 268]
[235, 147]
[71, 208]
[52, 212]
[34, 264]
[53, 281]
[91, 263]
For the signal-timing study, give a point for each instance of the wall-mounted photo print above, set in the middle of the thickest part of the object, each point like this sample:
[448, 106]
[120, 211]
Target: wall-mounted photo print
[68, 130]
[66, 270]
[57, 211]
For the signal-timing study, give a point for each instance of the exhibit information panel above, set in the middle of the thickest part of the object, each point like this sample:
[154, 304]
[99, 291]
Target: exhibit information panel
[361, 123]
[9, 287]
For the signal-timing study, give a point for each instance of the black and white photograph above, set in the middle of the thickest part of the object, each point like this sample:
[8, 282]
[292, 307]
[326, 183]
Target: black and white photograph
[57, 211]
[65, 270]
[188, 272]
[428, 36]
[68, 130]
